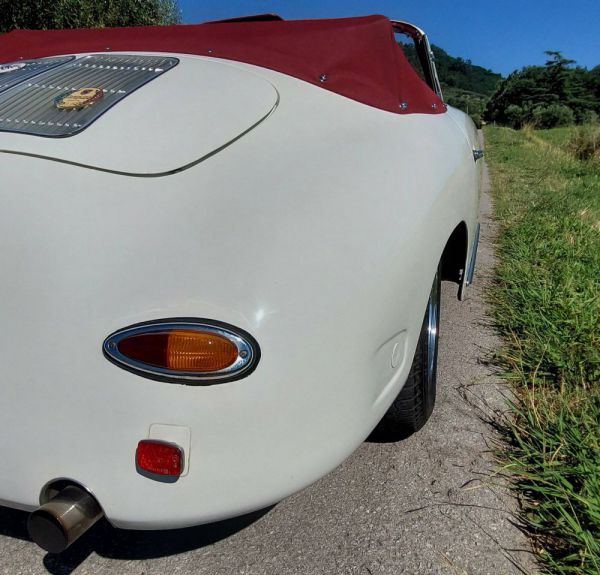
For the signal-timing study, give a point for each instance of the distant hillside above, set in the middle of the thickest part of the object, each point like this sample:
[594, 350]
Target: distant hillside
[464, 84]
[456, 73]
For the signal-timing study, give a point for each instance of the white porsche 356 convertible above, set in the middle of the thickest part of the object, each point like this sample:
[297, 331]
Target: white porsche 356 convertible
[221, 249]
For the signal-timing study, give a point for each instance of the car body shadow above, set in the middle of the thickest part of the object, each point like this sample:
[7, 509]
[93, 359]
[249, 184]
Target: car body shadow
[382, 434]
[110, 542]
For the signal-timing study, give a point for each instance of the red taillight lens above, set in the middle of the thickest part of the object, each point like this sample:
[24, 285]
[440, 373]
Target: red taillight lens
[159, 458]
[181, 350]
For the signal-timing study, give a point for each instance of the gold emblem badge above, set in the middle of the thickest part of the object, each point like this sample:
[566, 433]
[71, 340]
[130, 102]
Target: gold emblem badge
[79, 99]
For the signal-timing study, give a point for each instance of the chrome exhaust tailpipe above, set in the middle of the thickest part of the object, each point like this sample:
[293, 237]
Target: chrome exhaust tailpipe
[63, 519]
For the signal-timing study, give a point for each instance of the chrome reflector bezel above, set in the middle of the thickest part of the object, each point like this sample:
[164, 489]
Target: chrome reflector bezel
[246, 362]
[31, 106]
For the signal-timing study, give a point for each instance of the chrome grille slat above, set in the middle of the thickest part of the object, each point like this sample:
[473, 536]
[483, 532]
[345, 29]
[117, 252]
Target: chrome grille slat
[20, 103]
[70, 76]
[29, 106]
[28, 69]
[13, 104]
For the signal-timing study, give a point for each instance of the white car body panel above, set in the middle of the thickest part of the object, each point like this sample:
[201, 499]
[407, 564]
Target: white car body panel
[319, 232]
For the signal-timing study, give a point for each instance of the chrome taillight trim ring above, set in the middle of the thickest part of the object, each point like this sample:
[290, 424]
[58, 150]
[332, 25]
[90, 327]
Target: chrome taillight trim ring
[246, 362]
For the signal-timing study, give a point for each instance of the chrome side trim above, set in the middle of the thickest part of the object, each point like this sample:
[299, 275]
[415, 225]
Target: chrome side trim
[247, 359]
[471, 268]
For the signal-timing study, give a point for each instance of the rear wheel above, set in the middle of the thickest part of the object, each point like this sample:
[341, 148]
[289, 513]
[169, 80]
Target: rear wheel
[414, 404]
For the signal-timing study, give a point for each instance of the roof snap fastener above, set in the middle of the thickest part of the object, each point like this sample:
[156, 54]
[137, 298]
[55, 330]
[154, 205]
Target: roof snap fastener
[210, 50]
[434, 106]
[323, 78]
[403, 105]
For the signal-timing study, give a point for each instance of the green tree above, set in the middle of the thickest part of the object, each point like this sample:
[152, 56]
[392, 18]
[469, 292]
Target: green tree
[552, 116]
[558, 74]
[555, 94]
[54, 14]
[515, 116]
[593, 82]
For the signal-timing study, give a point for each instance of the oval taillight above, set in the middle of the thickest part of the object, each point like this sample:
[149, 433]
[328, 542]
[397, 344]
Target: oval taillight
[181, 350]
[185, 351]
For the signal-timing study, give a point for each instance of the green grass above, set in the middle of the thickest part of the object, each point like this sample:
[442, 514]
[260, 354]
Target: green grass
[582, 142]
[556, 136]
[546, 302]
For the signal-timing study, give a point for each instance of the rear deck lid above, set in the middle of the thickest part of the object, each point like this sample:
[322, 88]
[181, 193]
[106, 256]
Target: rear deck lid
[135, 114]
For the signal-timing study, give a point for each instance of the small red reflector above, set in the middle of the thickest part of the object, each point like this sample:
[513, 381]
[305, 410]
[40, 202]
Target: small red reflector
[159, 457]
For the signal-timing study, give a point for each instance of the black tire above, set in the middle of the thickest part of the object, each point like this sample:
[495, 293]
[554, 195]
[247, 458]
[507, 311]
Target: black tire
[414, 404]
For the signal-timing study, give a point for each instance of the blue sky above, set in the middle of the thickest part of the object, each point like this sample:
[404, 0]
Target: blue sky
[499, 34]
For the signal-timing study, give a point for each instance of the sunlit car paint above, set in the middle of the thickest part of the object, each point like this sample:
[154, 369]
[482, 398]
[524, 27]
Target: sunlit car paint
[312, 222]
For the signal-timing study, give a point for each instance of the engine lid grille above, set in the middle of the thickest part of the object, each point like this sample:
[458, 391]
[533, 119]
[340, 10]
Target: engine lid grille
[65, 97]
[15, 72]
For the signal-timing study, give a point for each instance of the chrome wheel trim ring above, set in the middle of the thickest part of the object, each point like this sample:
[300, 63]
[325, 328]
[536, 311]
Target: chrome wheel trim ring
[433, 331]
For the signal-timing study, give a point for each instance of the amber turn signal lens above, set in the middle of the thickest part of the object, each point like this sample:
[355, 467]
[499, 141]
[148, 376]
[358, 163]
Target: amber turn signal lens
[181, 350]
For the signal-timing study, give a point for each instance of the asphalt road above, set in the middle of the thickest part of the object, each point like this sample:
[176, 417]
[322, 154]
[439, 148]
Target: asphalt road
[434, 503]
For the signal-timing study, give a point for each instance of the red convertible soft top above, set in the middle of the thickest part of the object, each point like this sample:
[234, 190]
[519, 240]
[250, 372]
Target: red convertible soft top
[355, 57]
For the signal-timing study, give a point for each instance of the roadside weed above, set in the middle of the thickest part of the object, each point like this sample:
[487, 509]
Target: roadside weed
[546, 300]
